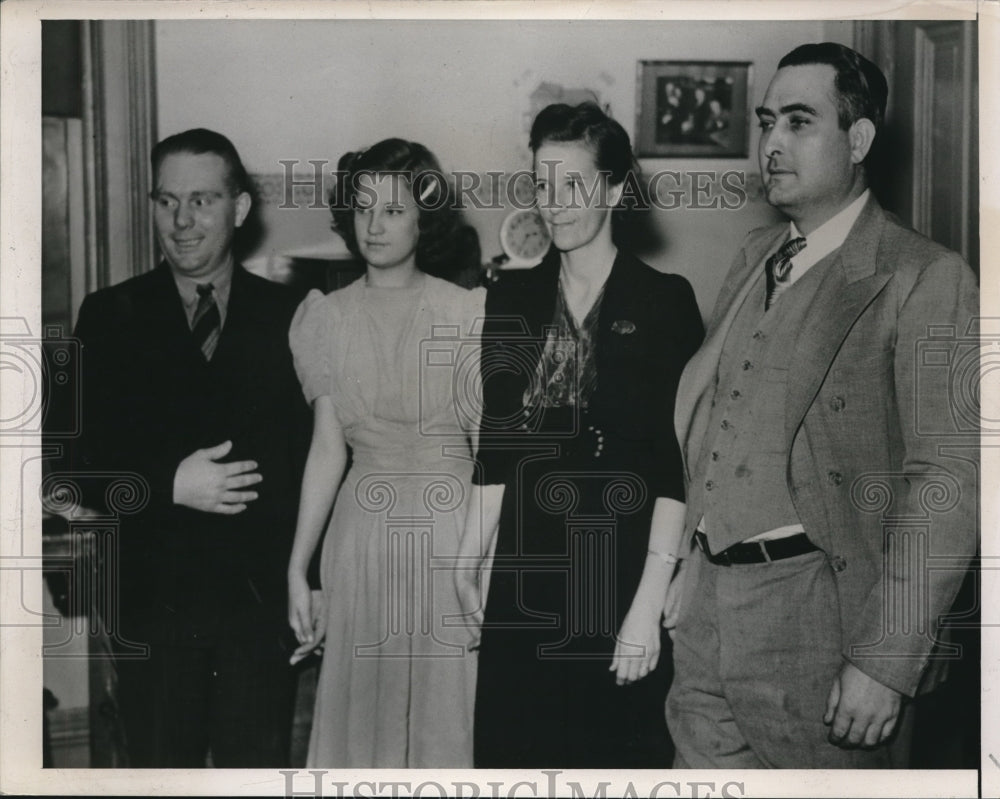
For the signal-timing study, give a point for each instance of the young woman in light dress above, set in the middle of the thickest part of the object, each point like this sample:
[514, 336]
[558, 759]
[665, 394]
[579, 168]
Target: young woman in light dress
[389, 364]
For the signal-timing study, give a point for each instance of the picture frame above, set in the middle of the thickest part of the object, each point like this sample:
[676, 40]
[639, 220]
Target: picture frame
[693, 109]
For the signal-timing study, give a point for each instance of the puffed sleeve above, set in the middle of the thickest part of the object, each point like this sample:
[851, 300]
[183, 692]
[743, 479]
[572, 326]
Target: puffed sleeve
[310, 340]
[475, 308]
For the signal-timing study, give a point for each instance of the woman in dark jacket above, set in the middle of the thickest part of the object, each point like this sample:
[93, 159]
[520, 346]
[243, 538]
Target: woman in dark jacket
[579, 481]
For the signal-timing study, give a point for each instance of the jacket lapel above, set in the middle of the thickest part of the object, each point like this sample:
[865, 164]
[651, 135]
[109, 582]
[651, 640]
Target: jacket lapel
[540, 304]
[161, 312]
[849, 286]
[697, 383]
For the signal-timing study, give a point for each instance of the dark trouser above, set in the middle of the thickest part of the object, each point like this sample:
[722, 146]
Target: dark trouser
[219, 684]
[538, 712]
[756, 651]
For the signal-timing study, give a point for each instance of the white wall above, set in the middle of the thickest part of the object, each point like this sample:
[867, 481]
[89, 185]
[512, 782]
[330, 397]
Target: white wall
[314, 89]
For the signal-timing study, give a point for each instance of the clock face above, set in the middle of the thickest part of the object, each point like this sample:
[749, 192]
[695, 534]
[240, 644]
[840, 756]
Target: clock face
[524, 237]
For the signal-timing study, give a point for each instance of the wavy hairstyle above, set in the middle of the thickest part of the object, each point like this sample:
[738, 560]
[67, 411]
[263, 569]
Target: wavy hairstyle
[862, 91]
[199, 141]
[609, 143]
[438, 222]
[588, 124]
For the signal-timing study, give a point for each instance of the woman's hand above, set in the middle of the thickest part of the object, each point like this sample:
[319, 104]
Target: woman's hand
[470, 600]
[475, 556]
[637, 650]
[306, 616]
[324, 468]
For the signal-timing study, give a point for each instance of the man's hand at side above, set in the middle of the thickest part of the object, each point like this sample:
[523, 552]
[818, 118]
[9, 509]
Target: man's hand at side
[861, 710]
[204, 484]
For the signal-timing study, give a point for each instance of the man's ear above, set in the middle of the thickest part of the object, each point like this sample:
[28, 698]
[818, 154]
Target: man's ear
[243, 203]
[861, 136]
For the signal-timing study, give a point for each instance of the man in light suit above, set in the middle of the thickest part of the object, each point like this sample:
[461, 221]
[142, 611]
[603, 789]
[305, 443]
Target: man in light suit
[827, 457]
[188, 385]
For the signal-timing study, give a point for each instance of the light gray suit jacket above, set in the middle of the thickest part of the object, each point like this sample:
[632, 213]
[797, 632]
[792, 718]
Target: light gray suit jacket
[881, 431]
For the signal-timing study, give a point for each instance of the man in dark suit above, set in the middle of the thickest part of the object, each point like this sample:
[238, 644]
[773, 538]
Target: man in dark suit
[188, 386]
[827, 457]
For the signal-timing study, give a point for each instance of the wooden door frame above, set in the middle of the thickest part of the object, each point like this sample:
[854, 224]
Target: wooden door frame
[119, 90]
[909, 189]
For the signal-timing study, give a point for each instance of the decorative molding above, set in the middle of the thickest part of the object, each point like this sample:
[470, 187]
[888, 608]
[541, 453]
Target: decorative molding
[272, 190]
[923, 130]
[875, 39]
[948, 47]
[120, 130]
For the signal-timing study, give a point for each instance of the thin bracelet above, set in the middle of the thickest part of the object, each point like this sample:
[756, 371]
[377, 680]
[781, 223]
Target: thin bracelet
[670, 560]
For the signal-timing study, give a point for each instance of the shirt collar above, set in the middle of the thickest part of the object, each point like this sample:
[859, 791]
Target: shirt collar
[828, 236]
[221, 281]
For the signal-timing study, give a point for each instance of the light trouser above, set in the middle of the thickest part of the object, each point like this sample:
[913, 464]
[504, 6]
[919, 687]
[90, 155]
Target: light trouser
[756, 651]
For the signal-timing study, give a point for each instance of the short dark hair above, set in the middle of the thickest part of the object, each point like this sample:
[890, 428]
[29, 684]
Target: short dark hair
[421, 170]
[199, 141]
[862, 91]
[588, 124]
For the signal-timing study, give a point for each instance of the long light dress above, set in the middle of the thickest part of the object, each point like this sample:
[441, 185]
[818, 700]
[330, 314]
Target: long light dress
[397, 684]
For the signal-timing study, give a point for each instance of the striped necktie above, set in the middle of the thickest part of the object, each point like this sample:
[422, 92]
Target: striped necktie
[778, 269]
[206, 324]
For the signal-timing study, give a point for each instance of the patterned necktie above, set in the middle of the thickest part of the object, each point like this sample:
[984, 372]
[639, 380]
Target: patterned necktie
[207, 323]
[778, 269]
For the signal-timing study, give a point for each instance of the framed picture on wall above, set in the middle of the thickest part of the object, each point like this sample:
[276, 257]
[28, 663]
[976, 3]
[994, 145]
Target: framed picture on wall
[698, 109]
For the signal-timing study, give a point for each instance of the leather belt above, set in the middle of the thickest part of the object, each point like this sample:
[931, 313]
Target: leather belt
[757, 551]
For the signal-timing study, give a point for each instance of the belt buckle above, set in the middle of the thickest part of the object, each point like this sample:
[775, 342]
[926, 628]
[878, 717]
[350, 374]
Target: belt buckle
[721, 559]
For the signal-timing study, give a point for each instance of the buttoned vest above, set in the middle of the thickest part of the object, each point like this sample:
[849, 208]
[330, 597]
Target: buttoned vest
[743, 489]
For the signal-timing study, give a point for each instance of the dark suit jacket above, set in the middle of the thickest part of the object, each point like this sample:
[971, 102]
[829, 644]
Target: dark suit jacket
[881, 431]
[149, 400]
[649, 325]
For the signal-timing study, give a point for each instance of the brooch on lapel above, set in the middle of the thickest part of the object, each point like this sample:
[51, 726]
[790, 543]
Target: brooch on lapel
[623, 326]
